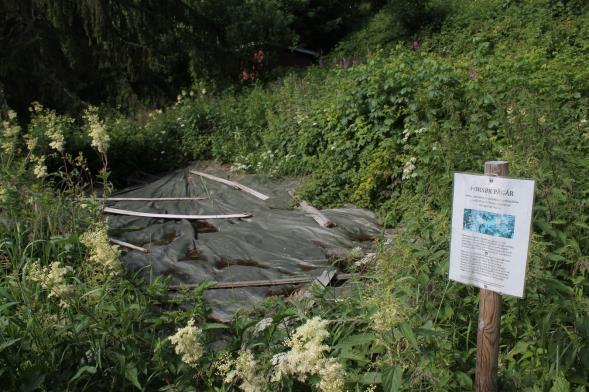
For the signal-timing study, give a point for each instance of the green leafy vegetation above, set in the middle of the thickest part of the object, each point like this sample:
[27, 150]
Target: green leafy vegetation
[386, 129]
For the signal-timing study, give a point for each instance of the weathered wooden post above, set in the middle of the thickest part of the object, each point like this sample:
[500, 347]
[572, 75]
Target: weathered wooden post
[491, 225]
[489, 317]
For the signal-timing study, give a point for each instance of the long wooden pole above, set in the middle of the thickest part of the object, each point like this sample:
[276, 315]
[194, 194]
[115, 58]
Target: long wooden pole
[116, 211]
[260, 283]
[489, 317]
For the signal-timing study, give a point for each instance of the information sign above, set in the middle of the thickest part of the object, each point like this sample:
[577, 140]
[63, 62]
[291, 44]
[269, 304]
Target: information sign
[491, 222]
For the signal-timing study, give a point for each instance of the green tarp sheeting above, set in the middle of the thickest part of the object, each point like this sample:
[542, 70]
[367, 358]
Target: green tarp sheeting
[277, 241]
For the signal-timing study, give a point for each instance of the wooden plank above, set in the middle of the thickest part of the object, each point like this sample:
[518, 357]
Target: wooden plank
[108, 210]
[261, 283]
[233, 184]
[128, 245]
[489, 326]
[316, 215]
[154, 198]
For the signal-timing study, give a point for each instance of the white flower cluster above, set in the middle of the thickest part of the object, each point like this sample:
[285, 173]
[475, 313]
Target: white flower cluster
[9, 134]
[39, 168]
[244, 368]
[307, 357]
[96, 130]
[409, 169]
[104, 255]
[31, 142]
[390, 313]
[186, 344]
[407, 133]
[55, 134]
[52, 278]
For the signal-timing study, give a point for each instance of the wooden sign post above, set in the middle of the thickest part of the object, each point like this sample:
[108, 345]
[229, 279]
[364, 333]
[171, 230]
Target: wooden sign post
[491, 225]
[489, 317]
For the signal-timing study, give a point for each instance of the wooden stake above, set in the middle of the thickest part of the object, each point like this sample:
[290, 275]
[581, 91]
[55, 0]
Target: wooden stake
[233, 184]
[489, 317]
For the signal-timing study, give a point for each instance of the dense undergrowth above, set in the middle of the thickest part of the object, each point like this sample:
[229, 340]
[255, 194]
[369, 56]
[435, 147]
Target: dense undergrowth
[500, 80]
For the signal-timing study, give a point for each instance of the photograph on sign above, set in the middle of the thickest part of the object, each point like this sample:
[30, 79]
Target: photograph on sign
[491, 222]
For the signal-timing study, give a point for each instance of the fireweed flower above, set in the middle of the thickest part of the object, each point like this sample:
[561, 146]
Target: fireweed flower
[96, 131]
[104, 255]
[307, 357]
[52, 278]
[186, 344]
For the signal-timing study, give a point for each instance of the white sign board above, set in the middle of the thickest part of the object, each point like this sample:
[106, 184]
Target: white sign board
[491, 222]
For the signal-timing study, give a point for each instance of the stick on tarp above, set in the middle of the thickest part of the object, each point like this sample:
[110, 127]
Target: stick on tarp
[128, 245]
[108, 210]
[233, 184]
[316, 214]
[260, 283]
[154, 198]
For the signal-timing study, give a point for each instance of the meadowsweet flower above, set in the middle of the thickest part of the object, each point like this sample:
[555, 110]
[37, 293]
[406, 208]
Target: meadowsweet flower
[332, 376]
[245, 369]
[96, 130]
[31, 142]
[224, 367]
[39, 168]
[307, 357]
[55, 134]
[306, 352]
[390, 313]
[103, 254]
[9, 134]
[52, 278]
[186, 344]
